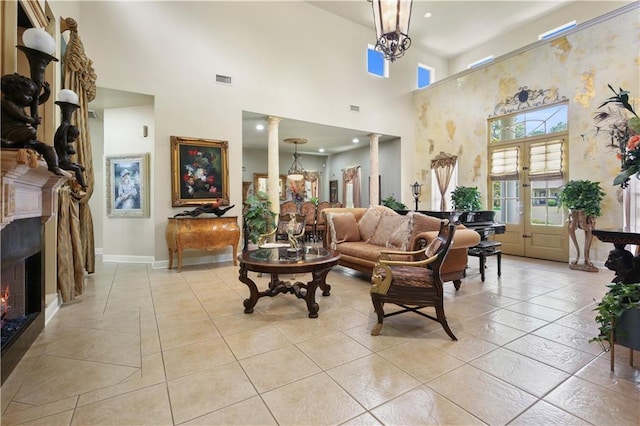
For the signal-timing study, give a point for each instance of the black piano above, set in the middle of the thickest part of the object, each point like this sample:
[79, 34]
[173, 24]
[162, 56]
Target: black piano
[482, 222]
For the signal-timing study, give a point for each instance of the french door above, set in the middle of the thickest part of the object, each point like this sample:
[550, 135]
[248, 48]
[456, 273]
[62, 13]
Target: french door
[525, 179]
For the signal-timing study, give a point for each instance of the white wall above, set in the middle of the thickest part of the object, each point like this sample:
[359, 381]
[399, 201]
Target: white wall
[288, 59]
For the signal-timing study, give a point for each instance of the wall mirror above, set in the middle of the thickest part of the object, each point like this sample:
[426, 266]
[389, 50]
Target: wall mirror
[260, 184]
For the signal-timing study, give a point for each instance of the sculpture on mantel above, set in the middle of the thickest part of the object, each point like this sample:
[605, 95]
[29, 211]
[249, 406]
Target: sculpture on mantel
[67, 134]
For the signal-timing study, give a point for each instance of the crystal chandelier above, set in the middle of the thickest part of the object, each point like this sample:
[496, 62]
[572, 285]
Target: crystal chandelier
[391, 18]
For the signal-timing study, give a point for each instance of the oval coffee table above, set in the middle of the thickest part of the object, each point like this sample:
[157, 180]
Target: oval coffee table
[279, 260]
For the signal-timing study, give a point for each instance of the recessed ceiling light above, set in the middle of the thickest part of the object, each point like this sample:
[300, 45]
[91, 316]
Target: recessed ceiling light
[428, 15]
[355, 140]
[321, 150]
[260, 127]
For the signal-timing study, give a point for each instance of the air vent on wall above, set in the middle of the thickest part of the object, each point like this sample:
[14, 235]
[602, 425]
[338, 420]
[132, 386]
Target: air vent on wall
[92, 114]
[354, 108]
[223, 79]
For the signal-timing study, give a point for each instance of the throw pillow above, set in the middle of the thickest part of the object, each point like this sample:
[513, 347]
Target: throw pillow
[386, 226]
[399, 238]
[385, 211]
[368, 223]
[343, 228]
[423, 223]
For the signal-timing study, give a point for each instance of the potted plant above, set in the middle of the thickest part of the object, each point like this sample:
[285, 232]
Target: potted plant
[618, 316]
[394, 204]
[258, 217]
[466, 198]
[582, 195]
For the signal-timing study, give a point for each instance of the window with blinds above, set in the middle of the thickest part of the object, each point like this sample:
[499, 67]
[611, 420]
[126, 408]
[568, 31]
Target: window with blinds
[504, 164]
[545, 160]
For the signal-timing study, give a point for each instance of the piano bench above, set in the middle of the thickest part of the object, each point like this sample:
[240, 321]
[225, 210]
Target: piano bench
[485, 249]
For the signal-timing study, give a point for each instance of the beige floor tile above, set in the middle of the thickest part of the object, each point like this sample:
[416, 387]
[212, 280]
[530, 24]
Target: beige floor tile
[316, 400]
[594, 403]
[250, 412]
[302, 329]
[60, 419]
[486, 397]
[184, 318]
[193, 333]
[554, 354]
[466, 348]
[517, 320]
[256, 341]
[238, 321]
[22, 413]
[420, 359]
[54, 378]
[576, 339]
[390, 337]
[491, 331]
[196, 357]
[207, 391]
[365, 419]
[149, 406]
[559, 304]
[278, 367]
[528, 374]
[624, 379]
[423, 406]
[332, 350]
[544, 414]
[536, 311]
[372, 380]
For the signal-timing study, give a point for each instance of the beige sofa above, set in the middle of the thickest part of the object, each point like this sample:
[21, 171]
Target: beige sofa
[359, 234]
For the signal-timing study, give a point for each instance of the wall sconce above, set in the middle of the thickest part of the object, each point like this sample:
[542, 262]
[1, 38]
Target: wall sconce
[415, 188]
[391, 19]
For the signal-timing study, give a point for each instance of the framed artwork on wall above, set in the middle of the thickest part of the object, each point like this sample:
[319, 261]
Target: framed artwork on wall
[199, 171]
[333, 191]
[260, 181]
[127, 189]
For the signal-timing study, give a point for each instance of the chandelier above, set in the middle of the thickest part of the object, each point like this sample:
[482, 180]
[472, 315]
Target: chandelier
[391, 18]
[296, 171]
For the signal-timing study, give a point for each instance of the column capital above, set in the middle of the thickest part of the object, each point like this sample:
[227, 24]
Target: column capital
[273, 120]
[373, 136]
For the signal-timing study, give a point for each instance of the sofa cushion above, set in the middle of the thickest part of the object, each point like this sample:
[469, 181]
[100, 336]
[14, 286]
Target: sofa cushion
[399, 238]
[368, 223]
[423, 223]
[386, 227]
[385, 211]
[343, 227]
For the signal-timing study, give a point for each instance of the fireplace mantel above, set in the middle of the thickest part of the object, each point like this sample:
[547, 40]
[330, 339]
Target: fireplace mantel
[28, 191]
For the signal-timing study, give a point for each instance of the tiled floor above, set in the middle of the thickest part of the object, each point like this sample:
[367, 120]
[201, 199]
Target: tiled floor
[158, 347]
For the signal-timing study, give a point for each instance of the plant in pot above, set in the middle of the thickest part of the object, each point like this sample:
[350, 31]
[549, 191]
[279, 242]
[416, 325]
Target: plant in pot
[583, 199]
[618, 316]
[466, 198]
[394, 204]
[258, 217]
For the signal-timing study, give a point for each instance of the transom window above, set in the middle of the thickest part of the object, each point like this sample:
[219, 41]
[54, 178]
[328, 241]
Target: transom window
[535, 122]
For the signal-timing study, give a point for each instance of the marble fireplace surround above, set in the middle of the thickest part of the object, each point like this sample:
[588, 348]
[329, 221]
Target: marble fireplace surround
[29, 195]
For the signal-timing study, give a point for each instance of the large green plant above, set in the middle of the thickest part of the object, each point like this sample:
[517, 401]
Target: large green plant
[466, 198]
[619, 299]
[392, 203]
[583, 195]
[258, 217]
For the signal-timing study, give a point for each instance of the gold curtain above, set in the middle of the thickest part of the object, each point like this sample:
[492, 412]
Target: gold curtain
[74, 215]
[351, 175]
[443, 165]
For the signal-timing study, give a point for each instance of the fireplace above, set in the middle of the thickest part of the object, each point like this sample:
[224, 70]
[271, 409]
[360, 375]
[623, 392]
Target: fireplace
[22, 289]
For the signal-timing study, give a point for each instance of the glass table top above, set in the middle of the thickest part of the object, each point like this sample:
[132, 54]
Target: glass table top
[287, 255]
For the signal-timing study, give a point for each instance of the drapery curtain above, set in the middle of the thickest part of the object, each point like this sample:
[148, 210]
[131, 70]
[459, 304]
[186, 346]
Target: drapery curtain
[312, 178]
[443, 165]
[75, 223]
[351, 176]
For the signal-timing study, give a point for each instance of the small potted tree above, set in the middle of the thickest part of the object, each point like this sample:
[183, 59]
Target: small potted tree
[258, 217]
[466, 198]
[583, 199]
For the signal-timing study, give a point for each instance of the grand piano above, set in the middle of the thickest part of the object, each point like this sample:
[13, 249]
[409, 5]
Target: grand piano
[481, 221]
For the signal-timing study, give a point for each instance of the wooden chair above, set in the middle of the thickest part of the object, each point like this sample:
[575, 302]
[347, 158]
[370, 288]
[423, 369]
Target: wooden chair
[308, 210]
[279, 233]
[412, 284]
[320, 219]
[287, 208]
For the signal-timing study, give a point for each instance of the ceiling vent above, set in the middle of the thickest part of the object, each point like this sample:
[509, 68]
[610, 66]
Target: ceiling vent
[92, 114]
[223, 79]
[354, 108]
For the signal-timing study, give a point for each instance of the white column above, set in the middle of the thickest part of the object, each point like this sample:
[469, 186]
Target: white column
[374, 186]
[273, 168]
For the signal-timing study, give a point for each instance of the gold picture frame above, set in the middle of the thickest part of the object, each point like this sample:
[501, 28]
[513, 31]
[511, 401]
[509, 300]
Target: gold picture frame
[260, 184]
[127, 178]
[199, 171]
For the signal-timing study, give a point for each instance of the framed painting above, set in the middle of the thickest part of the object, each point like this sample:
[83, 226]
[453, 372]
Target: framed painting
[260, 183]
[127, 185]
[333, 191]
[199, 171]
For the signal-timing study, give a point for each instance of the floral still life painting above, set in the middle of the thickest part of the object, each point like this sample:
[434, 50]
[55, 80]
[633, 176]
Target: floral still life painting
[199, 171]
[621, 125]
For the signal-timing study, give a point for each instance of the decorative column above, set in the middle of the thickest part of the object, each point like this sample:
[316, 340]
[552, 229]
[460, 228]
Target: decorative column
[273, 169]
[374, 181]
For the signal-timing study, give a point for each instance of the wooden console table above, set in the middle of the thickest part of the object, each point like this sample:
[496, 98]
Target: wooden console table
[201, 233]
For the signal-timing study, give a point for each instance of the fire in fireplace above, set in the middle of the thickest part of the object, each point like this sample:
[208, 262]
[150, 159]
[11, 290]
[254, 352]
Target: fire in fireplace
[22, 289]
